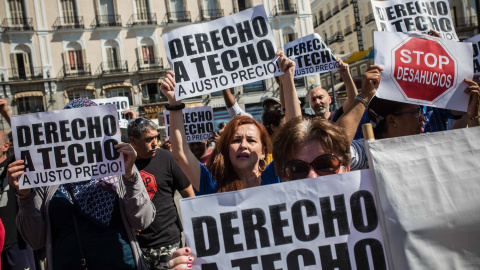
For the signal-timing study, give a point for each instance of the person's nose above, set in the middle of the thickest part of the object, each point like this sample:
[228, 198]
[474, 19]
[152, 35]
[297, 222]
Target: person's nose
[312, 173]
[244, 144]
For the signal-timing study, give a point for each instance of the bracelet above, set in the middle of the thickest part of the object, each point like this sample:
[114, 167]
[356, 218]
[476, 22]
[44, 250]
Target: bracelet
[132, 179]
[175, 107]
[474, 118]
[362, 100]
[22, 196]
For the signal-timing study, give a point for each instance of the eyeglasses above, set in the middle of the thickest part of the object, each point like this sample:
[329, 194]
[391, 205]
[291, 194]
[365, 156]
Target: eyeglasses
[140, 120]
[417, 113]
[323, 165]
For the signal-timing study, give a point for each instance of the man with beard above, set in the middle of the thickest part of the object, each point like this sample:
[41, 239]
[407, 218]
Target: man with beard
[162, 177]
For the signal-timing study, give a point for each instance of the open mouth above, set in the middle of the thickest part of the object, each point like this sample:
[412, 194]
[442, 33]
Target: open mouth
[243, 156]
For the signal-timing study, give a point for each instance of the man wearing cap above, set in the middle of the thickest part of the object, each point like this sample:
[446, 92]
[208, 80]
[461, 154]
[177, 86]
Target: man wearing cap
[162, 177]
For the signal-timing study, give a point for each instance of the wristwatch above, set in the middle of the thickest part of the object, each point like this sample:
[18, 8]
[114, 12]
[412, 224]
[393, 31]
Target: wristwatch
[132, 179]
[362, 100]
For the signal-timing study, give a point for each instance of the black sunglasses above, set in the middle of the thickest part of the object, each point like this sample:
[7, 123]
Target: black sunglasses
[140, 120]
[323, 165]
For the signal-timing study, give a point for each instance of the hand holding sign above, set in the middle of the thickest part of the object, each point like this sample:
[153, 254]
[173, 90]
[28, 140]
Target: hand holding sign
[15, 169]
[168, 88]
[371, 80]
[474, 102]
[129, 156]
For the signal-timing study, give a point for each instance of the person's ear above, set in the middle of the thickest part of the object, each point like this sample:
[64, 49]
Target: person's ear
[132, 140]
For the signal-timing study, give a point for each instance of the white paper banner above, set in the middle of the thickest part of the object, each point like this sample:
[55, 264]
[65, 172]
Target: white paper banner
[311, 55]
[66, 146]
[476, 53]
[294, 225]
[122, 105]
[198, 121]
[428, 188]
[228, 52]
[423, 70]
[415, 17]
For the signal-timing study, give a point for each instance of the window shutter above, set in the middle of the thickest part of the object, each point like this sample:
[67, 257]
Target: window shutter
[26, 63]
[13, 61]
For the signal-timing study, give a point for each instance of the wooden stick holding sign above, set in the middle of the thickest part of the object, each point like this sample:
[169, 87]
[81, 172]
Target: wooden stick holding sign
[66, 146]
[199, 123]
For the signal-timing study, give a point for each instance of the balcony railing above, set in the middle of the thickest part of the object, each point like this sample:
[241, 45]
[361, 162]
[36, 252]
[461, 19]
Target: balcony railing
[328, 15]
[348, 30]
[150, 65]
[344, 4]
[238, 9]
[71, 22]
[285, 9]
[112, 67]
[142, 19]
[253, 87]
[79, 71]
[17, 24]
[466, 22]
[337, 37]
[369, 18]
[106, 21]
[179, 17]
[20, 74]
[336, 10]
[211, 14]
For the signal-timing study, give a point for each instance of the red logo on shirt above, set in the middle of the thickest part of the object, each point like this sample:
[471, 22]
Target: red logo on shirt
[150, 183]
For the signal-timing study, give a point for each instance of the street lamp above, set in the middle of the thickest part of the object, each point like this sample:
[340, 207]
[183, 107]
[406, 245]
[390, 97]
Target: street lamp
[52, 100]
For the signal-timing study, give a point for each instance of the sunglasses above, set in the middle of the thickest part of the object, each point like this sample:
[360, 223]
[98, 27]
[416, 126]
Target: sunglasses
[416, 113]
[323, 165]
[140, 120]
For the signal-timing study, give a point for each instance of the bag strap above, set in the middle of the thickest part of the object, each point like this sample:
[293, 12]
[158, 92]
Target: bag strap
[83, 262]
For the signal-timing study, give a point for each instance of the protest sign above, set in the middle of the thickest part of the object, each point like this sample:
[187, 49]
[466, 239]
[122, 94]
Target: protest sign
[476, 53]
[423, 70]
[427, 187]
[66, 146]
[292, 225]
[415, 17]
[122, 105]
[213, 56]
[198, 122]
[311, 55]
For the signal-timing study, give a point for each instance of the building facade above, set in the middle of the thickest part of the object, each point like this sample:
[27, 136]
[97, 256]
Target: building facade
[54, 51]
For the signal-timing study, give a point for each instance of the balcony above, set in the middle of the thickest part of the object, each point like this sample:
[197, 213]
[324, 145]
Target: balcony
[106, 21]
[142, 19]
[344, 4]
[154, 64]
[369, 18]
[285, 10]
[464, 23]
[253, 87]
[17, 24]
[211, 14]
[113, 67]
[336, 10]
[22, 74]
[72, 22]
[179, 17]
[238, 9]
[79, 71]
[348, 30]
[328, 15]
[337, 37]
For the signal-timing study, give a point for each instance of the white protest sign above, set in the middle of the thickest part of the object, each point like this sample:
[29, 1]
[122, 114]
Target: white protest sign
[476, 53]
[66, 146]
[292, 225]
[428, 203]
[311, 55]
[228, 52]
[423, 70]
[418, 16]
[122, 105]
[198, 122]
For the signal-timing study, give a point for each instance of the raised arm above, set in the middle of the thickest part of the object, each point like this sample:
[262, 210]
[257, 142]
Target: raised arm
[353, 115]
[232, 106]
[292, 106]
[4, 110]
[180, 150]
[473, 113]
[350, 87]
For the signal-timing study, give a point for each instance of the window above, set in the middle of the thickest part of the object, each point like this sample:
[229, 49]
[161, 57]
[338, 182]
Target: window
[21, 61]
[119, 92]
[30, 105]
[74, 94]
[363, 68]
[288, 35]
[16, 12]
[74, 58]
[152, 93]
[69, 12]
[142, 10]
[107, 11]
[112, 55]
[354, 72]
[176, 8]
[252, 87]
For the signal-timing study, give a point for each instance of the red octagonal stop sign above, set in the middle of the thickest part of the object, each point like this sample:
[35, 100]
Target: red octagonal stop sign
[423, 69]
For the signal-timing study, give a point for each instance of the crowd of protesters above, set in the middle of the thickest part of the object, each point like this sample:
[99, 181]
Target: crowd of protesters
[122, 222]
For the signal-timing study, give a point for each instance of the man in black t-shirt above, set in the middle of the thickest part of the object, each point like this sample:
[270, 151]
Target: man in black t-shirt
[162, 177]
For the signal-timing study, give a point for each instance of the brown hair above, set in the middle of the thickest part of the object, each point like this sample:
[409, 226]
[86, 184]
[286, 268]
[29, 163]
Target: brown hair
[300, 131]
[219, 163]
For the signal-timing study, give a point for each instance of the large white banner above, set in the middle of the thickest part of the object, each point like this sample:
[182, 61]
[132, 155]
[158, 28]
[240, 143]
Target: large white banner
[423, 70]
[228, 52]
[476, 53]
[311, 55]
[418, 16]
[319, 223]
[66, 146]
[198, 121]
[121, 103]
[428, 187]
